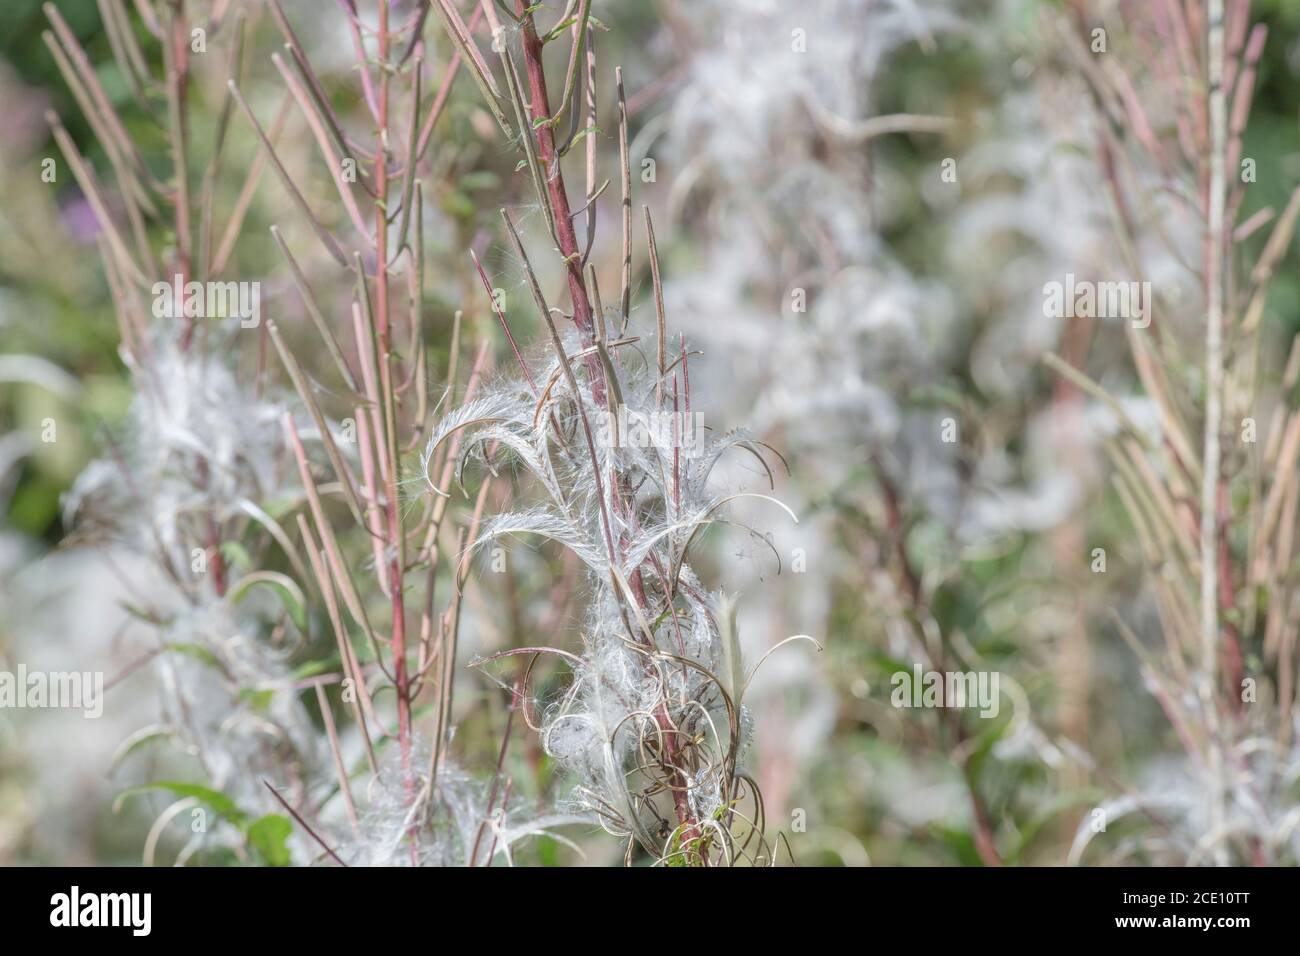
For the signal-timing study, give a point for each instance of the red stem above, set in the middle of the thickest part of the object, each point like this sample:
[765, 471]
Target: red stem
[582, 318]
[549, 160]
[383, 334]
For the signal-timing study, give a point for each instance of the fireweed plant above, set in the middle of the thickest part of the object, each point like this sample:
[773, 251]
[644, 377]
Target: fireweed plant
[189, 478]
[1214, 518]
[652, 722]
[203, 477]
[273, 513]
[417, 806]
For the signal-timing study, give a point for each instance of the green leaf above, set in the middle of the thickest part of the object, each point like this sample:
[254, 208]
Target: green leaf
[291, 595]
[268, 836]
[326, 665]
[558, 29]
[196, 651]
[961, 844]
[579, 136]
[236, 555]
[548, 851]
[139, 739]
[143, 614]
[214, 799]
[259, 699]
